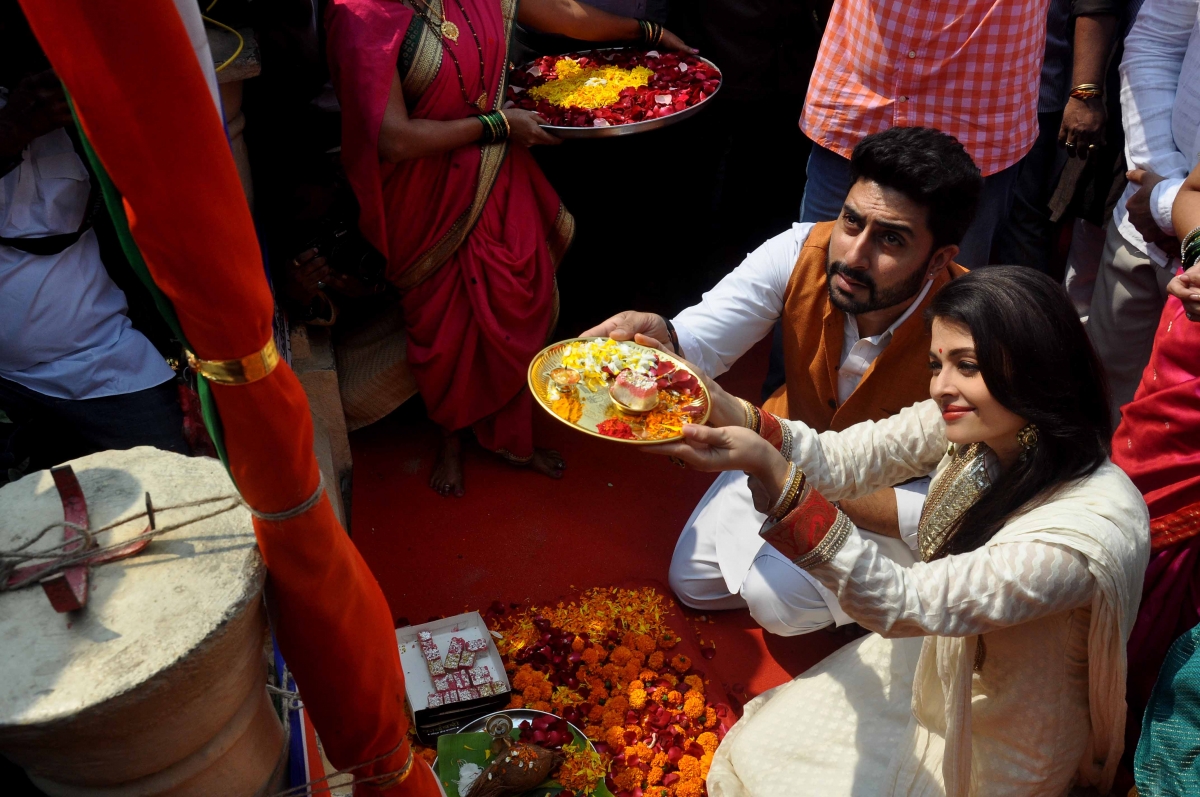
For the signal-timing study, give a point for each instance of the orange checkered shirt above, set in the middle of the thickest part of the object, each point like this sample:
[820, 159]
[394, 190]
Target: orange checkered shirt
[970, 68]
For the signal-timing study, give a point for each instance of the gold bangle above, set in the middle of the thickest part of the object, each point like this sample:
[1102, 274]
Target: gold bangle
[794, 494]
[399, 777]
[241, 371]
[747, 413]
[791, 487]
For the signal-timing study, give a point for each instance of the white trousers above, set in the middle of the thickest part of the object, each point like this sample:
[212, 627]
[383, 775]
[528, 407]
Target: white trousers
[720, 562]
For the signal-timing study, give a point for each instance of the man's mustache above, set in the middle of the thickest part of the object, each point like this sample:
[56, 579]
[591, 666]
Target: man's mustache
[861, 277]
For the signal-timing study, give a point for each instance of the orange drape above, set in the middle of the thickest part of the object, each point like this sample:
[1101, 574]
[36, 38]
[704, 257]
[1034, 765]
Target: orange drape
[142, 100]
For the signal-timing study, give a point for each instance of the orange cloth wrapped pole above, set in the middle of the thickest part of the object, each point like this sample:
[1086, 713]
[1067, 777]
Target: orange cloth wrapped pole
[142, 100]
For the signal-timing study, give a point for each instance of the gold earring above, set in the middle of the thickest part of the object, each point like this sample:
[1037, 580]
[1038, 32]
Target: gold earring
[1027, 439]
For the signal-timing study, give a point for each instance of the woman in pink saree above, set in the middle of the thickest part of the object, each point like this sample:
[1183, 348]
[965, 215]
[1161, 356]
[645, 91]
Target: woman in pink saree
[1158, 445]
[471, 229]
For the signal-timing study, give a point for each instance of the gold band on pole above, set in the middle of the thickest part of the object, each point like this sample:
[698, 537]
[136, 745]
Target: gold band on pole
[243, 371]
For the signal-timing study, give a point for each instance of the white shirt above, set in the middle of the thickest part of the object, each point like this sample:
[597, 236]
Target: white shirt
[63, 328]
[742, 309]
[1160, 109]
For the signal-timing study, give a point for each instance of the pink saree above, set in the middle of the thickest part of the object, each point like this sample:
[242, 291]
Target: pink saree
[1158, 446]
[473, 236]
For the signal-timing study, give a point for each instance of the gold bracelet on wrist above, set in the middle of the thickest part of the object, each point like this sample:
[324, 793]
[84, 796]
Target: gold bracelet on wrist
[791, 488]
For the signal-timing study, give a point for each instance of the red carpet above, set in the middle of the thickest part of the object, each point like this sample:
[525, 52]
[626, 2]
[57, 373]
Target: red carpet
[612, 520]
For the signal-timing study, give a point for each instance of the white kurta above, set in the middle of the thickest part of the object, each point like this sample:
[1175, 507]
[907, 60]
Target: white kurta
[1053, 596]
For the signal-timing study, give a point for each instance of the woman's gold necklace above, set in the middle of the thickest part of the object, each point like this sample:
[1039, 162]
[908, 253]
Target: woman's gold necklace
[450, 31]
[448, 28]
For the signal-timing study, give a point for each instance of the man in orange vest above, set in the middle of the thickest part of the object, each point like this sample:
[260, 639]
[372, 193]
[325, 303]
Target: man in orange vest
[851, 294]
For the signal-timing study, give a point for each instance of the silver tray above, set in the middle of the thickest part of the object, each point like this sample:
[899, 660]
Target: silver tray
[517, 716]
[630, 129]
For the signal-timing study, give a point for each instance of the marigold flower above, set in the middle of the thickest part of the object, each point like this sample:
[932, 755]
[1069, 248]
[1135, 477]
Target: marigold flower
[689, 787]
[674, 698]
[657, 791]
[689, 767]
[681, 663]
[516, 701]
[637, 698]
[689, 694]
[546, 690]
[615, 737]
[636, 684]
[591, 657]
[656, 659]
[708, 740]
[705, 764]
[531, 693]
[638, 658]
[612, 718]
[668, 641]
[541, 705]
[628, 779]
[693, 707]
[592, 732]
[644, 643]
[654, 776]
[647, 676]
[578, 644]
[695, 681]
[659, 760]
[621, 655]
[598, 694]
[632, 670]
[617, 703]
[643, 752]
[710, 717]
[596, 714]
[670, 678]
[582, 770]
[629, 639]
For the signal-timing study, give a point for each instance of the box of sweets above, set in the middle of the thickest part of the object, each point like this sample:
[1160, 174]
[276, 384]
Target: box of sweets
[452, 673]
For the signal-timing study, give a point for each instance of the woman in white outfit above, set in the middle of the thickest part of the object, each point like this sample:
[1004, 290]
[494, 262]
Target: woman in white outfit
[997, 666]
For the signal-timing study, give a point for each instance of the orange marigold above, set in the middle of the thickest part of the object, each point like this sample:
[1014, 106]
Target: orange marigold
[636, 684]
[612, 718]
[647, 676]
[632, 670]
[708, 740]
[516, 701]
[598, 694]
[654, 776]
[695, 681]
[668, 641]
[628, 779]
[710, 717]
[705, 764]
[637, 697]
[644, 643]
[615, 737]
[541, 705]
[655, 662]
[681, 663]
[693, 707]
[689, 787]
[620, 656]
[629, 639]
[674, 698]
[617, 703]
[591, 657]
[670, 678]
[532, 693]
[578, 644]
[659, 760]
[689, 767]
[596, 714]
[657, 791]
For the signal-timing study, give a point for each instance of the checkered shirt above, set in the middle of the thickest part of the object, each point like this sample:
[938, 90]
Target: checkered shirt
[970, 68]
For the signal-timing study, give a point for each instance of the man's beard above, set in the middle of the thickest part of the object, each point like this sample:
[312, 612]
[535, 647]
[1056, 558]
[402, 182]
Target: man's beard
[876, 299]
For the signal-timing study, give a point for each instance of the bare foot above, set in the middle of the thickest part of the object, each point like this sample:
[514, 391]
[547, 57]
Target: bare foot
[548, 463]
[447, 478]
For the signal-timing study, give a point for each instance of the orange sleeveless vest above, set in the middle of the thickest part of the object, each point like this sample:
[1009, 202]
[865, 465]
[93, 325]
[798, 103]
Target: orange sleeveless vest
[812, 348]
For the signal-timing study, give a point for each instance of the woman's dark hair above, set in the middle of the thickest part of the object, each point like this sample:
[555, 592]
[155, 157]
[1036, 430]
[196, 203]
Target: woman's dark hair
[1036, 360]
[929, 167]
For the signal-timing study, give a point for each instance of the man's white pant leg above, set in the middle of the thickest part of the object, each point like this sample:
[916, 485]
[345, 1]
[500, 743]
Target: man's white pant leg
[695, 576]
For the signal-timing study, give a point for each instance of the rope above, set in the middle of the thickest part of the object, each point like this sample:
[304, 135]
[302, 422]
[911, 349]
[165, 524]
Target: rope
[300, 509]
[11, 559]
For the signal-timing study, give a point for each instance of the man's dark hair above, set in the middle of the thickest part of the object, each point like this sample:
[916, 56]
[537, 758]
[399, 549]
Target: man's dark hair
[930, 168]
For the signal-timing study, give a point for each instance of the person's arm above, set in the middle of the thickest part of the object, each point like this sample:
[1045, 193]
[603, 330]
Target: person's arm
[992, 587]
[586, 23]
[737, 313]
[877, 512]
[1150, 76]
[402, 138]
[1186, 212]
[1083, 119]
[852, 463]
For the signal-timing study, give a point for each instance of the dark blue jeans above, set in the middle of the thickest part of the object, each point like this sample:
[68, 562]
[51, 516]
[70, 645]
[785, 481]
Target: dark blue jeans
[49, 431]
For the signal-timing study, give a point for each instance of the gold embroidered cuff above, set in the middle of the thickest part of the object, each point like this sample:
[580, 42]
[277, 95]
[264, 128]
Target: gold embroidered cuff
[786, 448]
[250, 368]
[829, 545]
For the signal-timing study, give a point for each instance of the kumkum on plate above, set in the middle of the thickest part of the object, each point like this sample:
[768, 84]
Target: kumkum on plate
[588, 405]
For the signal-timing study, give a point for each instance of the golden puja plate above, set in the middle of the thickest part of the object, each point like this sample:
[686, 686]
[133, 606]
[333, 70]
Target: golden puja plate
[576, 381]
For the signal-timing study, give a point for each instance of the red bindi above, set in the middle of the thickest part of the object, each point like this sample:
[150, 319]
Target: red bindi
[939, 351]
